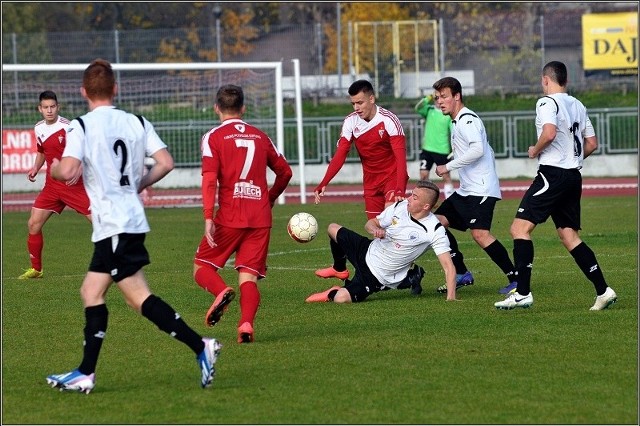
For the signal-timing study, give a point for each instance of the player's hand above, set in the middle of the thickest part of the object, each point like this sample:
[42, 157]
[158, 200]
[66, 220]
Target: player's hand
[209, 230]
[32, 175]
[441, 170]
[75, 179]
[319, 194]
[532, 152]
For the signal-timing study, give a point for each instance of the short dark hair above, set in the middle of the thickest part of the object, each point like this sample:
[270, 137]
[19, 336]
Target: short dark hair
[230, 98]
[556, 71]
[449, 82]
[427, 184]
[363, 86]
[48, 95]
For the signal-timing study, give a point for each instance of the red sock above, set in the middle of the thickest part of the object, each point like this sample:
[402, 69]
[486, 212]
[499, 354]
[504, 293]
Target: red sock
[249, 302]
[35, 242]
[209, 279]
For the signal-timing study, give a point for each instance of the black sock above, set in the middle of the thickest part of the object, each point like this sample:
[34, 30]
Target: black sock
[332, 294]
[96, 319]
[456, 255]
[500, 257]
[167, 320]
[586, 260]
[339, 258]
[523, 259]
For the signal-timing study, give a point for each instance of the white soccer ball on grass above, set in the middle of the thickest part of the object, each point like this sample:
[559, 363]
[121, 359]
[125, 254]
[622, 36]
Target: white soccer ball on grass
[302, 227]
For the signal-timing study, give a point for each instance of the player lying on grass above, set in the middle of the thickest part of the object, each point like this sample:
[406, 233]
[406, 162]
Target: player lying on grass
[402, 232]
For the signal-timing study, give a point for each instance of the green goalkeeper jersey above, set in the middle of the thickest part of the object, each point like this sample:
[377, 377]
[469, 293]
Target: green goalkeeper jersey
[437, 129]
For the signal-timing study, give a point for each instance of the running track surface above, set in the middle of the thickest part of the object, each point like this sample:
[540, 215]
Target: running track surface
[591, 187]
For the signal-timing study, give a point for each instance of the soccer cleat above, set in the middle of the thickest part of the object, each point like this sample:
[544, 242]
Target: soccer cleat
[608, 298]
[74, 380]
[462, 280]
[219, 307]
[245, 333]
[332, 273]
[412, 280]
[515, 300]
[321, 297]
[509, 288]
[31, 273]
[207, 361]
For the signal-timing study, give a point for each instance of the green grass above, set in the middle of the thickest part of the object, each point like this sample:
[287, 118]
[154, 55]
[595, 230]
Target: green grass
[392, 359]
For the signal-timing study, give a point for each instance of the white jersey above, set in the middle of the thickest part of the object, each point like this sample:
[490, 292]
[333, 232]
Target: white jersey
[112, 145]
[572, 123]
[473, 157]
[406, 238]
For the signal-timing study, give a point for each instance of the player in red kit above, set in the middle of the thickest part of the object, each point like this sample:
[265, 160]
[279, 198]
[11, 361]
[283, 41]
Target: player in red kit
[380, 141]
[55, 195]
[235, 160]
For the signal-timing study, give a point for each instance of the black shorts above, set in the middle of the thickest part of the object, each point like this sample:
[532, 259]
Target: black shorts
[125, 259]
[554, 192]
[355, 246]
[470, 212]
[428, 158]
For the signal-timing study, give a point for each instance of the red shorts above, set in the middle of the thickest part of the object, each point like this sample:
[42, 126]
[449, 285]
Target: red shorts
[55, 198]
[378, 192]
[249, 244]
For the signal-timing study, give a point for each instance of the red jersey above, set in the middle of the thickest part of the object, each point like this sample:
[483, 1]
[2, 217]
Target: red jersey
[235, 159]
[381, 145]
[51, 140]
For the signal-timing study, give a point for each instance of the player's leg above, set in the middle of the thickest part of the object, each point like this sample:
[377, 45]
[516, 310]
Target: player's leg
[566, 217]
[207, 261]
[251, 263]
[424, 166]
[35, 241]
[483, 208]
[131, 257]
[448, 213]
[339, 267]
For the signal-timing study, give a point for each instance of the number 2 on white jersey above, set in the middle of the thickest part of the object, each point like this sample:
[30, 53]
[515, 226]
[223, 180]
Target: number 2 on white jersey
[248, 160]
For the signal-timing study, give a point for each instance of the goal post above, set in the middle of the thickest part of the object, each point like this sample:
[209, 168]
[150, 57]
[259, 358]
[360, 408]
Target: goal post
[177, 98]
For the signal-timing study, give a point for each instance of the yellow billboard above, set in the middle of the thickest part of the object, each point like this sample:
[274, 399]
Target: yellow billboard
[610, 43]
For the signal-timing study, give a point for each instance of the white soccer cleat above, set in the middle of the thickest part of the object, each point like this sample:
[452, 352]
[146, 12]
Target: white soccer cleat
[608, 298]
[515, 300]
[207, 361]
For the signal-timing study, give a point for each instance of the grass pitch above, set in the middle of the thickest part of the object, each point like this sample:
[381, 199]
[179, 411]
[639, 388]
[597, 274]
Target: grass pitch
[394, 359]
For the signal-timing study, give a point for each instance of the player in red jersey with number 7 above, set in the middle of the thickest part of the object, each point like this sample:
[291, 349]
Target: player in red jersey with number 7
[235, 160]
[380, 141]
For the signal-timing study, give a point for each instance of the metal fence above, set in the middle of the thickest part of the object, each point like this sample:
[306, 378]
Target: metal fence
[510, 133]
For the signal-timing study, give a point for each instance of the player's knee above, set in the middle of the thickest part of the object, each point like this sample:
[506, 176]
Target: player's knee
[342, 296]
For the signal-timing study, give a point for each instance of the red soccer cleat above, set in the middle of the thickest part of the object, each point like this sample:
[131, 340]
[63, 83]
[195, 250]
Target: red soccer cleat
[332, 273]
[321, 297]
[245, 333]
[219, 307]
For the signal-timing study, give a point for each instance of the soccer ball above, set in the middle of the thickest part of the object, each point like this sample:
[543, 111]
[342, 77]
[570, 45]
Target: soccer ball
[302, 227]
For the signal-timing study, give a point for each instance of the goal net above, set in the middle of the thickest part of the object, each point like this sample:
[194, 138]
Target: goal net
[177, 98]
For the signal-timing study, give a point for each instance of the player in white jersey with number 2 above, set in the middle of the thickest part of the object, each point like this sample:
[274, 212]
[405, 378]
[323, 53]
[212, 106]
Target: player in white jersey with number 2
[111, 145]
[565, 138]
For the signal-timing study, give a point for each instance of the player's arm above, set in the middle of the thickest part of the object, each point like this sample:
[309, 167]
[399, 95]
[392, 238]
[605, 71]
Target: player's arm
[37, 165]
[373, 227]
[283, 172]
[590, 145]
[66, 168]
[163, 165]
[399, 147]
[449, 274]
[548, 134]
[336, 163]
[209, 188]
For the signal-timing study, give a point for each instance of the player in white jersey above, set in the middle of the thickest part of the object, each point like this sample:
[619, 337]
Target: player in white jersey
[402, 232]
[110, 145]
[471, 206]
[565, 138]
